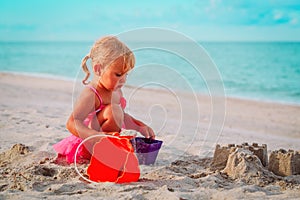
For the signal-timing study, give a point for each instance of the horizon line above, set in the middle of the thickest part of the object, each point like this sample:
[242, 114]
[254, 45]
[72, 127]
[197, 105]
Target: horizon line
[210, 41]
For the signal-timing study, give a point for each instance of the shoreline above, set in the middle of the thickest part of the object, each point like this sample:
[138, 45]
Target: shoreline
[242, 116]
[233, 97]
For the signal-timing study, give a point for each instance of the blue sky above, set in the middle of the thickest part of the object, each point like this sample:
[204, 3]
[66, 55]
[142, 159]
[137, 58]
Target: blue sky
[205, 20]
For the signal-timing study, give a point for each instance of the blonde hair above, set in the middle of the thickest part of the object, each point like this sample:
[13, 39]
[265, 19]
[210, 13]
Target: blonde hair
[106, 50]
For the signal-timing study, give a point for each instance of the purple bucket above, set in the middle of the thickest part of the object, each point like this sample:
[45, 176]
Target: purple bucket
[146, 149]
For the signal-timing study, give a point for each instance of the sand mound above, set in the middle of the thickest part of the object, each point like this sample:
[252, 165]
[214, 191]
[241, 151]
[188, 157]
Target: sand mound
[244, 165]
[16, 151]
[25, 170]
[187, 178]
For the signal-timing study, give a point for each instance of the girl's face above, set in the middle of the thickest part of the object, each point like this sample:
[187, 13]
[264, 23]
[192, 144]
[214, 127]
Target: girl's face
[114, 77]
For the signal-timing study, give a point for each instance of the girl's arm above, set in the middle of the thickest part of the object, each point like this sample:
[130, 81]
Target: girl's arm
[77, 128]
[84, 106]
[132, 123]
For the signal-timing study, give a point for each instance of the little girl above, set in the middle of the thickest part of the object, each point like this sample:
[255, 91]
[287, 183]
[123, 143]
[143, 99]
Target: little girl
[100, 107]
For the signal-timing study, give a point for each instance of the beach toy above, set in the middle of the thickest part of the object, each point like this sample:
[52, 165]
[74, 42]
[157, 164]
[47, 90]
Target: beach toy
[114, 160]
[146, 149]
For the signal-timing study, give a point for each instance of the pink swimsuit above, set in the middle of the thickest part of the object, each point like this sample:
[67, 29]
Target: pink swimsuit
[92, 114]
[67, 147]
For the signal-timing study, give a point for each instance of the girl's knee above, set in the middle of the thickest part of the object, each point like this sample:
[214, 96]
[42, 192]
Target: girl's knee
[111, 118]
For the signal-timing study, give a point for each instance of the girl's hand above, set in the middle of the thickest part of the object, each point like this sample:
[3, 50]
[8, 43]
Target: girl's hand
[147, 132]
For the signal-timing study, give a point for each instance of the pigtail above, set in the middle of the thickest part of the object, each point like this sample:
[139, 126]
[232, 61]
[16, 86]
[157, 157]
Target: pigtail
[85, 69]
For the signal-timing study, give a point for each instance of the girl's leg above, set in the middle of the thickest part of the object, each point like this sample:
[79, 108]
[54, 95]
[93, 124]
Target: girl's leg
[111, 118]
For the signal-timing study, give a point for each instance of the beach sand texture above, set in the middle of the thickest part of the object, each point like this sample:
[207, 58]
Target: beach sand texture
[33, 115]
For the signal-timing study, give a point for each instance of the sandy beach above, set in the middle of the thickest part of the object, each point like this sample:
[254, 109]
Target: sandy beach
[34, 112]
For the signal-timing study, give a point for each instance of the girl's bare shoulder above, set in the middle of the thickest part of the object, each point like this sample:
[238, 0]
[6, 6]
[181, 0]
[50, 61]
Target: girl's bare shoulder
[86, 95]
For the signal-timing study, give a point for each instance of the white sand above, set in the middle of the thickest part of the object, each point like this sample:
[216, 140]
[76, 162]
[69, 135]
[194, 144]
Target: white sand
[34, 112]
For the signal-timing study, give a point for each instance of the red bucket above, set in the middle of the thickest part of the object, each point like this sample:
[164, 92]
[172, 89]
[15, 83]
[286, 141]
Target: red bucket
[114, 160]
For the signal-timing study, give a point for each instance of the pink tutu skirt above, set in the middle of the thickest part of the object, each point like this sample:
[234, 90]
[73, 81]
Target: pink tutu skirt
[67, 148]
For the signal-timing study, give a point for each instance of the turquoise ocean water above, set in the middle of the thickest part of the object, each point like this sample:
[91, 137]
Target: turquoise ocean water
[268, 71]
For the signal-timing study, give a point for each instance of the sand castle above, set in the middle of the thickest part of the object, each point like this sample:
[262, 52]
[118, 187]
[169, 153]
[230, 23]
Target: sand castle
[282, 163]
[221, 154]
[285, 163]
